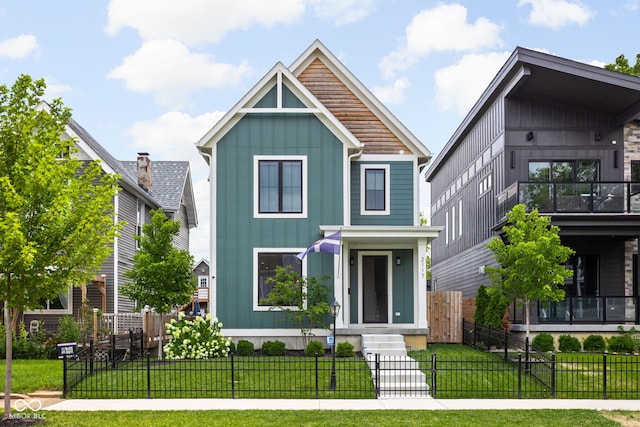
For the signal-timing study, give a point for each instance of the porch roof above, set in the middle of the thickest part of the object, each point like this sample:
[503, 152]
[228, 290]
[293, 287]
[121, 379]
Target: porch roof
[366, 234]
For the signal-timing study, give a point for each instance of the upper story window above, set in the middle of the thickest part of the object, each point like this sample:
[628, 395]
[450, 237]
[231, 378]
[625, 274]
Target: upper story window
[203, 281]
[564, 171]
[374, 191]
[280, 186]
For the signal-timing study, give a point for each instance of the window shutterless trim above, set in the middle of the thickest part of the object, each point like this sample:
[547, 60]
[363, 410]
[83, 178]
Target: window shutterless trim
[256, 187]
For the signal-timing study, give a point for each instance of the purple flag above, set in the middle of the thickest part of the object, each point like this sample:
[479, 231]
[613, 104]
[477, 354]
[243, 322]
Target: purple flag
[330, 244]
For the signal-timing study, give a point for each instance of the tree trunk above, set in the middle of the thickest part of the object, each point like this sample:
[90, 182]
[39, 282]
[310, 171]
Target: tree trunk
[9, 348]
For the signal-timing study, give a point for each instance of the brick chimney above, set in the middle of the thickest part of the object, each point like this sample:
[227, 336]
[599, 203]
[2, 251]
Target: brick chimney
[144, 172]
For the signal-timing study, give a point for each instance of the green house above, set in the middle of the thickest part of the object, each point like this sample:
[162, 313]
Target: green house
[308, 152]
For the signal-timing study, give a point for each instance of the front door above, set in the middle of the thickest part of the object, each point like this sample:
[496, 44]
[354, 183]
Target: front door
[375, 285]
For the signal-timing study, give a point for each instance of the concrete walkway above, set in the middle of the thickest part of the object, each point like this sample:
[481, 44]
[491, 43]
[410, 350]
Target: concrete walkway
[337, 404]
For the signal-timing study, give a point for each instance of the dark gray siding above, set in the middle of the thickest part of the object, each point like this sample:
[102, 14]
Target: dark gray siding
[462, 272]
[128, 204]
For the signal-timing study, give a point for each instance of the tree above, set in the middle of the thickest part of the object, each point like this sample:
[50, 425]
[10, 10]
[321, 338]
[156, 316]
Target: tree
[303, 299]
[531, 260]
[56, 211]
[622, 66]
[162, 275]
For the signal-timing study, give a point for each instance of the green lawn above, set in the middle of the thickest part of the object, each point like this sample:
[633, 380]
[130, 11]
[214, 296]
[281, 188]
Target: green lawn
[31, 375]
[557, 418]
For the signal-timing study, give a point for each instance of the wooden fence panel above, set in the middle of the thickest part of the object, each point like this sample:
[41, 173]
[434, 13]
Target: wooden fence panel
[444, 316]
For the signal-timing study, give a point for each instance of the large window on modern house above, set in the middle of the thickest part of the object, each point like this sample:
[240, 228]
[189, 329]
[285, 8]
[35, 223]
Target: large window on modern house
[374, 194]
[266, 262]
[280, 186]
[564, 185]
[635, 170]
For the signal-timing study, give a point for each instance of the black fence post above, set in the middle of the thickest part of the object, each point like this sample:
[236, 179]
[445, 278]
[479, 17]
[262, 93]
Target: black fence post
[553, 375]
[317, 395]
[433, 375]
[233, 379]
[506, 345]
[148, 375]
[604, 375]
[377, 362]
[475, 331]
[519, 376]
[64, 376]
[113, 351]
[526, 353]
[91, 356]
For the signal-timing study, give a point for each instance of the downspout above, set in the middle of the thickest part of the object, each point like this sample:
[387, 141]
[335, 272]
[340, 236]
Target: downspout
[344, 280]
[212, 235]
[116, 256]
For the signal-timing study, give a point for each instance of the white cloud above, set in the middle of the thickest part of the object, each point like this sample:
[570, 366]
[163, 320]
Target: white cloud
[54, 90]
[443, 28]
[198, 21]
[173, 136]
[632, 5]
[392, 94]
[555, 14]
[171, 72]
[18, 47]
[597, 63]
[460, 85]
[342, 12]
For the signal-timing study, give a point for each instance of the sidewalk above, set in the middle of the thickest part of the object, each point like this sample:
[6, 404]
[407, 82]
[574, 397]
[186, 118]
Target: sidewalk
[337, 404]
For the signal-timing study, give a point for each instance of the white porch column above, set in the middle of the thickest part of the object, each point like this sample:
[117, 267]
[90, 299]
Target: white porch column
[422, 284]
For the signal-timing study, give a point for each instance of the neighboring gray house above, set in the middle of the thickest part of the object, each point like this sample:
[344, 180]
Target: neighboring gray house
[201, 273]
[144, 185]
[562, 137]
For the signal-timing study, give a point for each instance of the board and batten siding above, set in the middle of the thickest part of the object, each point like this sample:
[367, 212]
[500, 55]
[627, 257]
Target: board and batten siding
[401, 197]
[238, 232]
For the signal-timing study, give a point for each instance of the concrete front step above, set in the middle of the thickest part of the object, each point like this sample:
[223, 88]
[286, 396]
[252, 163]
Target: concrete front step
[400, 375]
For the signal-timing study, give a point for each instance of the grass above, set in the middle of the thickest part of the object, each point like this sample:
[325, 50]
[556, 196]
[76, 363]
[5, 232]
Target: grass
[502, 418]
[253, 377]
[31, 375]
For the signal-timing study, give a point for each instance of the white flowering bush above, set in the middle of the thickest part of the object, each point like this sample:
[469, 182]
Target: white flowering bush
[200, 338]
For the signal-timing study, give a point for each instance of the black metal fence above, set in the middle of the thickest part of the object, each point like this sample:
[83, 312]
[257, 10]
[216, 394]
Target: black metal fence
[508, 371]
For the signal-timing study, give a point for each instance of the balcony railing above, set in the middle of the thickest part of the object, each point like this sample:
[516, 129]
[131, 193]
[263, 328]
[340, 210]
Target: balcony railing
[572, 197]
[575, 309]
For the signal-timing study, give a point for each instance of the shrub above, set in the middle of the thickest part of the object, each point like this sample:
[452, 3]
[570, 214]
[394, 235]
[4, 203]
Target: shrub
[621, 344]
[273, 348]
[244, 348]
[68, 330]
[314, 348]
[200, 338]
[543, 342]
[594, 343]
[569, 344]
[344, 349]
[232, 348]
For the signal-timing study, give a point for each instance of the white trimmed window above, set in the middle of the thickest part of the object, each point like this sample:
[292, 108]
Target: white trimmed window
[374, 190]
[203, 281]
[61, 304]
[139, 221]
[265, 262]
[280, 186]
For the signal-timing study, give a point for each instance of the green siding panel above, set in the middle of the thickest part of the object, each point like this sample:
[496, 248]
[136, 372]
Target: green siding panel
[238, 232]
[403, 286]
[401, 195]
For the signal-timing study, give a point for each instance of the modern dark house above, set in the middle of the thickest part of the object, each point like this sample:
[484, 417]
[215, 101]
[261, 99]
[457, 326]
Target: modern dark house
[562, 137]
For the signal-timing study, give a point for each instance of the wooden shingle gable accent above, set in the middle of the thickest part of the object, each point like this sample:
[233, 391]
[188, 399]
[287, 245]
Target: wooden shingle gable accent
[350, 110]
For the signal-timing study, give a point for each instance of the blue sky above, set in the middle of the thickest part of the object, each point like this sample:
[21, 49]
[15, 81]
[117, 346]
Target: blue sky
[155, 75]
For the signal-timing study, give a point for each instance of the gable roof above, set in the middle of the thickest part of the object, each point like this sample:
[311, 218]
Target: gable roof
[171, 179]
[532, 74]
[317, 69]
[353, 104]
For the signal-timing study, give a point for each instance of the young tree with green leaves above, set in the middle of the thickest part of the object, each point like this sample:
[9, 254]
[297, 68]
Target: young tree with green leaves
[56, 211]
[162, 275]
[622, 66]
[303, 299]
[531, 260]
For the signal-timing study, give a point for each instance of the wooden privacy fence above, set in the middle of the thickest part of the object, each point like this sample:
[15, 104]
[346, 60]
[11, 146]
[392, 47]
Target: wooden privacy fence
[152, 324]
[444, 316]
